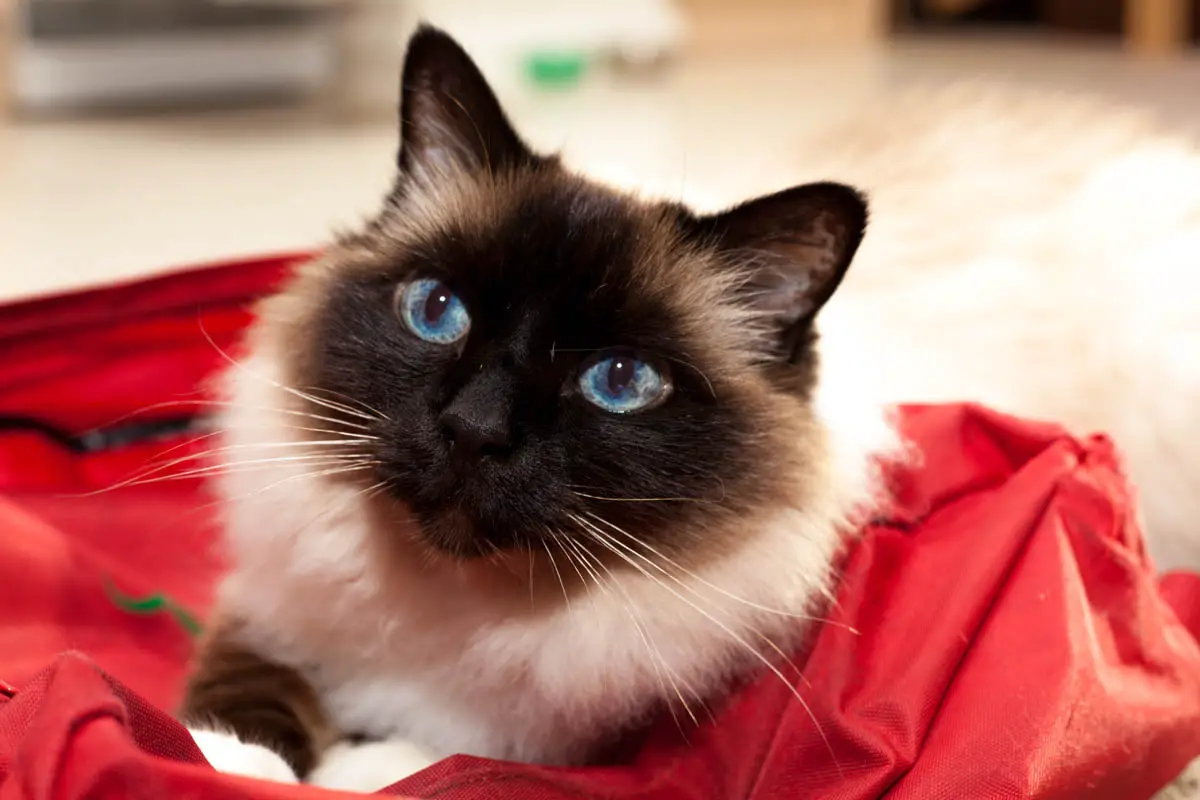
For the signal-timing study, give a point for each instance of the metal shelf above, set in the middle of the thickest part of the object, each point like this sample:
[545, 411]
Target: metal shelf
[58, 20]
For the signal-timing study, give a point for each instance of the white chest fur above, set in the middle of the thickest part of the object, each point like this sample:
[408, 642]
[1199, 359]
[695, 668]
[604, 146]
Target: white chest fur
[409, 656]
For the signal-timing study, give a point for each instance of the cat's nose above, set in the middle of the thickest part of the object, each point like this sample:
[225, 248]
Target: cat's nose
[476, 434]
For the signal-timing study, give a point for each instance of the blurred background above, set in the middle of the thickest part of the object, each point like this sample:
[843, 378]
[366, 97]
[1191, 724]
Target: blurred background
[142, 135]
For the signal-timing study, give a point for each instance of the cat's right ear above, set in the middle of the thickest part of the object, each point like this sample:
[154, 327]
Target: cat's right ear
[793, 247]
[450, 120]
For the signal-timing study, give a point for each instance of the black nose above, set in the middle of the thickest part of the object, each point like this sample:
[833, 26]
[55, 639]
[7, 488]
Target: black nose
[476, 436]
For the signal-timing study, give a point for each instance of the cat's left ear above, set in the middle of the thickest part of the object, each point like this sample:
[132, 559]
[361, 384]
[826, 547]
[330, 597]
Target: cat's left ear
[450, 118]
[796, 246]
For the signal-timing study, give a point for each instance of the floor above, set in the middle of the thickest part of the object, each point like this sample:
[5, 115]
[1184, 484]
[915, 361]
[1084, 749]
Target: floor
[87, 202]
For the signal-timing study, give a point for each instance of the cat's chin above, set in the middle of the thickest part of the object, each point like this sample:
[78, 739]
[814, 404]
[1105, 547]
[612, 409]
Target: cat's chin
[455, 534]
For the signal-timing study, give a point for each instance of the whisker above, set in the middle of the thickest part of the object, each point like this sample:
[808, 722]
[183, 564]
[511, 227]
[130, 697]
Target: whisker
[289, 389]
[340, 470]
[580, 555]
[340, 467]
[228, 404]
[268, 488]
[607, 541]
[304, 443]
[332, 406]
[697, 370]
[154, 476]
[571, 561]
[343, 435]
[225, 469]
[532, 606]
[348, 398]
[308, 414]
[659, 663]
[157, 468]
[234, 448]
[642, 499]
[699, 597]
[188, 443]
[554, 563]
[708, 584]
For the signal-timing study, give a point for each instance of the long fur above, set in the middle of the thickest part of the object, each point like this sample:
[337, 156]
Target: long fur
[1030, 252]
[1038, 253]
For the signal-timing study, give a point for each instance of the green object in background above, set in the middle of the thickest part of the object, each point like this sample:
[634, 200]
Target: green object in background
[154, 604]
[555, 68]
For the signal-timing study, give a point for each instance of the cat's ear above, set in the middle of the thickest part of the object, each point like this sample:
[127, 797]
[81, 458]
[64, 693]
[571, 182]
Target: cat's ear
[450, 120]
[795, 246]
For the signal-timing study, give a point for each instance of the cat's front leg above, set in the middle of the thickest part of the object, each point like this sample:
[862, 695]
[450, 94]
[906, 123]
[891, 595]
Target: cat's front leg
[251, 715]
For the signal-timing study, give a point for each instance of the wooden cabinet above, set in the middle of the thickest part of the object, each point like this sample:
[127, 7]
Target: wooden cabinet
[1158, 26]
[1148, 27]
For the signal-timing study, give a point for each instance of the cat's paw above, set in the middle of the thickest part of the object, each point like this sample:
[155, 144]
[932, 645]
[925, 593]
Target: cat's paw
[228, 754]
[369, 766]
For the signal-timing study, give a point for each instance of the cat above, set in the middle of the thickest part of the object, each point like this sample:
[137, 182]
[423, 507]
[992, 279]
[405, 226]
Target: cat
[523, 460]
[527, 458]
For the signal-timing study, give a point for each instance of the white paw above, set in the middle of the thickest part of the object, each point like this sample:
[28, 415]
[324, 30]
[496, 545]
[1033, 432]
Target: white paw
[368, 767]
[231, 755]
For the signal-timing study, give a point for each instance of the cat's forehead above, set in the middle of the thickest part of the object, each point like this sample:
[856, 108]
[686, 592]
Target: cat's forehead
[549, 236]
[540, 228]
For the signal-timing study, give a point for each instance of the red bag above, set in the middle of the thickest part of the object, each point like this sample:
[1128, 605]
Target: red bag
[999, 635]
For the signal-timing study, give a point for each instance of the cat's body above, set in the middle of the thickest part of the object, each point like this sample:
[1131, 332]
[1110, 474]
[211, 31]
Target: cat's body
[379, 606]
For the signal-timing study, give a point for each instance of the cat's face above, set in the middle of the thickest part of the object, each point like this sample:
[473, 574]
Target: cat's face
[544, 358]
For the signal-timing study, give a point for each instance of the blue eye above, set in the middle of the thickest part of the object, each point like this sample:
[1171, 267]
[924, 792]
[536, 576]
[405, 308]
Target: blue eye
[432, 311]
[621, 383]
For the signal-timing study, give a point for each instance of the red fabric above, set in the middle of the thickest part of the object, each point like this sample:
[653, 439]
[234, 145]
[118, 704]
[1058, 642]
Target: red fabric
[999, 635]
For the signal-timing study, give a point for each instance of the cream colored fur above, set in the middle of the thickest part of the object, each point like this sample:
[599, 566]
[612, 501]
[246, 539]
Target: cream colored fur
[421, 655]
[1034, 253]
[1038, 253]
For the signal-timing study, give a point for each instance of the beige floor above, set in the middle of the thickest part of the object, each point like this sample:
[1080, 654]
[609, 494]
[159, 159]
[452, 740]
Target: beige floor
[89, 202]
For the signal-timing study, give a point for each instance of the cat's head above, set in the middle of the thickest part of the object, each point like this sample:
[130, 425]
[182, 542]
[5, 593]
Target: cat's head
[535, 358]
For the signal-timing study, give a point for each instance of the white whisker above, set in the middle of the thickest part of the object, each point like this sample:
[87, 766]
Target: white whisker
[562, 584]
[642, 499]
[156, 468]
[708, 584]
[344, 435]
[378, 414]
[225, 469]
[532, 606]
[157, 475]
[617, 549]
[141, 412]
[660, 665]
[214, 452]
[264, 489]
[700, 597]
[332, 406]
